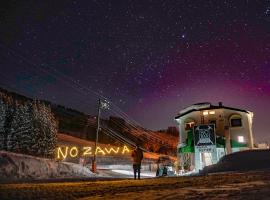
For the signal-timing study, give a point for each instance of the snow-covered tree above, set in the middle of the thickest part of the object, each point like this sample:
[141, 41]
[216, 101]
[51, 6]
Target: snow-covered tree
[22, 134]
[3, 109]
[7, 110]
[51, 134]
[33, 130]
[47, 129]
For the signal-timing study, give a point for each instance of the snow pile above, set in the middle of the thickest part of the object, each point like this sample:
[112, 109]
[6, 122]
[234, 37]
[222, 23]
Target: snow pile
[241, 161]
[15, 167]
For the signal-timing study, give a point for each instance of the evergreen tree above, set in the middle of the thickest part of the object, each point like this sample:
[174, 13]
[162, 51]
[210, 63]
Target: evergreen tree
[28, 127]
[7, 125]
[22, 133]
[51, 133]
[39, 134]
[3, 109]
[46, 134]
[33, 130]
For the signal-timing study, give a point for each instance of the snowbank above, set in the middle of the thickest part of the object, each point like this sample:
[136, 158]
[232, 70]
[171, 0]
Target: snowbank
[241, 161]
[17, 167]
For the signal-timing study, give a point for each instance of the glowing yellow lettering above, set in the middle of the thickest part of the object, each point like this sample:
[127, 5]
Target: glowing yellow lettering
[87, 151]
[125, 149]
[112, 150]
[64, 152]
[73, 152]
[99, 150]
[60, 153]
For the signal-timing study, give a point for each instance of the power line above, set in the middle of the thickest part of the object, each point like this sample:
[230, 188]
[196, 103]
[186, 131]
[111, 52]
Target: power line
[80, 88]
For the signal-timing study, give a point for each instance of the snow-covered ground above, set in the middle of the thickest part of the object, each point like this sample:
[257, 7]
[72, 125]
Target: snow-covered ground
[129, 173]
[248, 185]
[17, 167]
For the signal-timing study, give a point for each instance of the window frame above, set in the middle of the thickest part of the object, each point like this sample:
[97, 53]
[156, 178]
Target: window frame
[234, 124]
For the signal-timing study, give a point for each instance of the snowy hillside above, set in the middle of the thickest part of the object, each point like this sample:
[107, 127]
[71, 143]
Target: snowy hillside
[15, 167]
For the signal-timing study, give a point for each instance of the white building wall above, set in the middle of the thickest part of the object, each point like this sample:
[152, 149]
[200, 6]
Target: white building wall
[222, 118]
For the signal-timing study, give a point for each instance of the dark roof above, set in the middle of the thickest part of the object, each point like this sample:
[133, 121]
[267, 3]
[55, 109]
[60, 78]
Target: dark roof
[202, 103]
[212, 107]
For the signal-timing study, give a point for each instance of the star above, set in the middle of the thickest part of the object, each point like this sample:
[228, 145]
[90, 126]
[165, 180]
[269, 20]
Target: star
[150, 58]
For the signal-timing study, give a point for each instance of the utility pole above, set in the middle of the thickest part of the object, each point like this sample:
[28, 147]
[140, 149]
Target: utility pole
[94, 163]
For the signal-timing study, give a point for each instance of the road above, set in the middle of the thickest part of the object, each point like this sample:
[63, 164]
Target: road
[249, 185]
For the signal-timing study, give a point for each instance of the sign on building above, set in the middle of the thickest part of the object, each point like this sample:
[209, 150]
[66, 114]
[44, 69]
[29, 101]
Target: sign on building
[204, 138]
[205, 145]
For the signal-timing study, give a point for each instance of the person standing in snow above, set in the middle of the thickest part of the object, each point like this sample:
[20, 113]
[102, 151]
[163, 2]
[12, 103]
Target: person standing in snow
[137, 156]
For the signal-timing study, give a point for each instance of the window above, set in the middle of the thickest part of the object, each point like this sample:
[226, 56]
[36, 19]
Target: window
[241, 139]
[212, 112]
[205, 112]
[189, 125]
[213, 122]
[236, 122]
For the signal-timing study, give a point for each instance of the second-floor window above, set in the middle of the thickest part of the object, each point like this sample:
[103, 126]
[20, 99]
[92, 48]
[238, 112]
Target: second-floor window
[189, 125]
[213, 122]
[236, 122]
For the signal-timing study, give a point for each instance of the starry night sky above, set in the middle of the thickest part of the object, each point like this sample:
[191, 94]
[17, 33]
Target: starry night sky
[151, 58]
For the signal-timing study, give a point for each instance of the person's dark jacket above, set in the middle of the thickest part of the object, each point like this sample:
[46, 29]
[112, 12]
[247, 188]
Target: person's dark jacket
[137, 156]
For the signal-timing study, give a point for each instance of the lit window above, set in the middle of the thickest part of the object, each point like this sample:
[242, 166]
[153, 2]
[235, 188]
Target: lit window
[189, 125]
[241, 139]
[212, 112]
[205, 112]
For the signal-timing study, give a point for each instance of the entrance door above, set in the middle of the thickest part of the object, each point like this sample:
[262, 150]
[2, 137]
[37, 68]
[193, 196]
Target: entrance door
[207, 159]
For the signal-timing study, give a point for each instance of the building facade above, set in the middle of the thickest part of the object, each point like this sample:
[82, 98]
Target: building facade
[208, 132]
